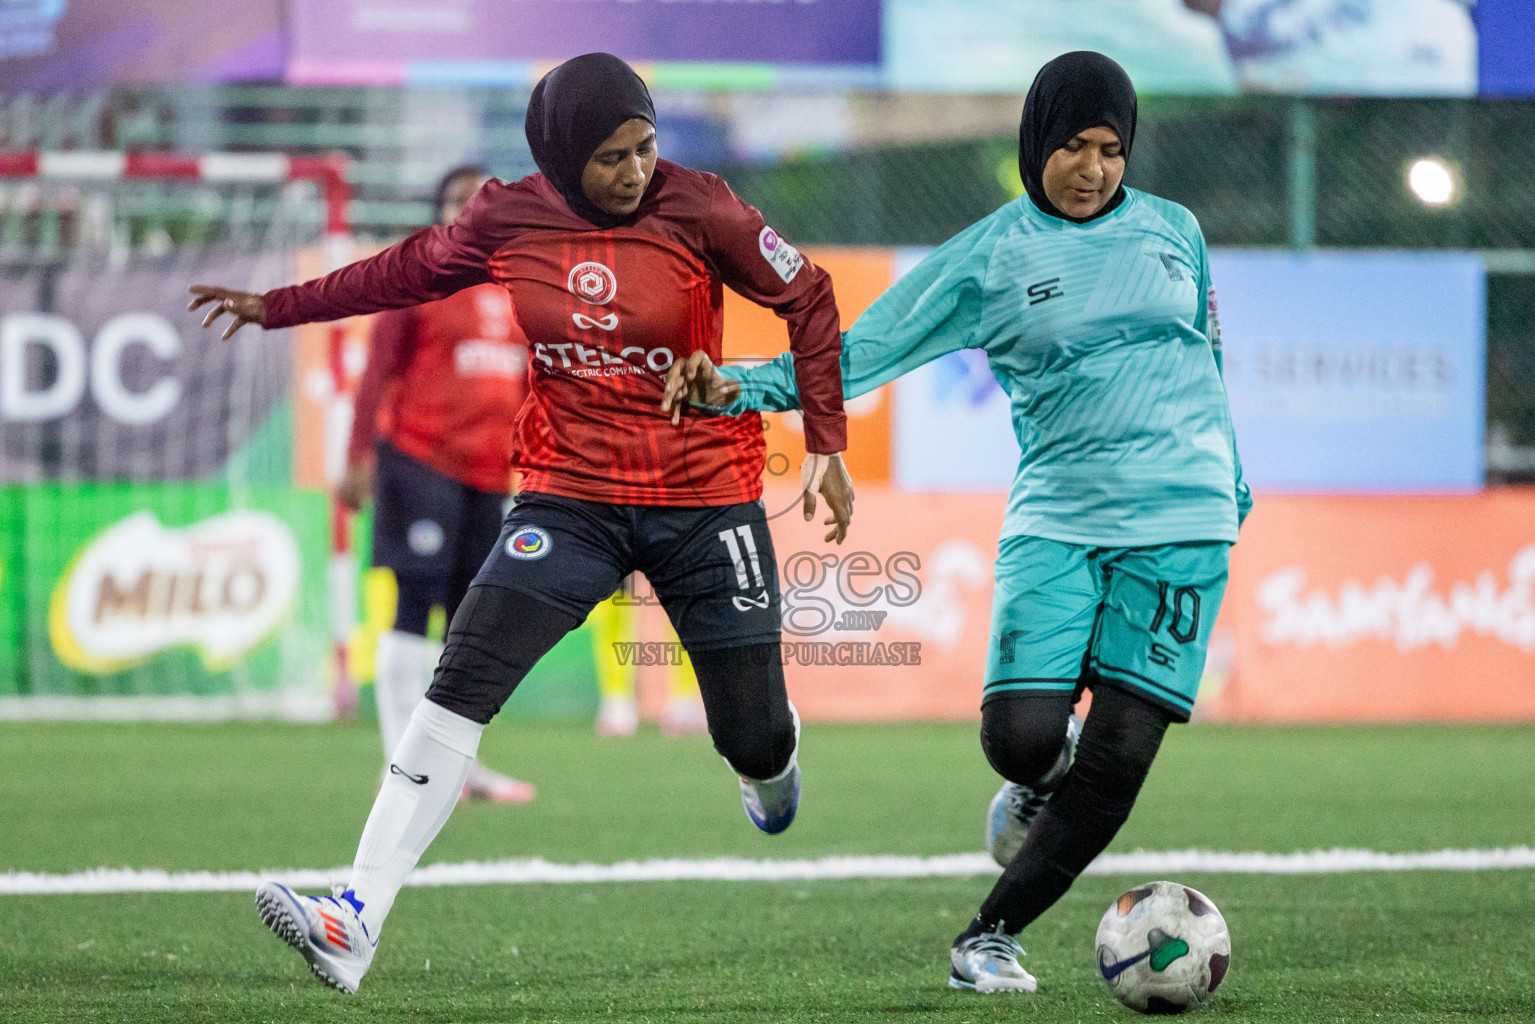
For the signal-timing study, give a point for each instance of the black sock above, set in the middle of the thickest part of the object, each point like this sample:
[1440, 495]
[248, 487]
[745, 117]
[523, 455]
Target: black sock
[1119, 741]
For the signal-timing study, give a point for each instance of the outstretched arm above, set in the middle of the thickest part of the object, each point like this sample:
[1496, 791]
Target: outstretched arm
[935, 309]
[431, 264]
[697, 381]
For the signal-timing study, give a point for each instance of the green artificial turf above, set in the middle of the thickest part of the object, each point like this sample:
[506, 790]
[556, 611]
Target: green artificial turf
[1418, 946]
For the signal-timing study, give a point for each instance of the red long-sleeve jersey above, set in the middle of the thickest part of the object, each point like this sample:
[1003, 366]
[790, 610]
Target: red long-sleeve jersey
[606, 312]
[448, 378]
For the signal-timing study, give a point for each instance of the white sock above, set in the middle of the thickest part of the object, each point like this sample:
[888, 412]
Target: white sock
[420, 790]
[404, 666]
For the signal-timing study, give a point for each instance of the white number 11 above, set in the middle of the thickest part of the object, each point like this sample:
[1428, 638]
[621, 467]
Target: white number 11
[745, 533]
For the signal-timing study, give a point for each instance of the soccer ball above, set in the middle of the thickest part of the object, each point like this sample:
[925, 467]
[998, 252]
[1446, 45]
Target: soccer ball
[1163, 948]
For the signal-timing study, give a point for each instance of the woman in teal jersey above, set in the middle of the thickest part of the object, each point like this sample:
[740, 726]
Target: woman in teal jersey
[1093, 304]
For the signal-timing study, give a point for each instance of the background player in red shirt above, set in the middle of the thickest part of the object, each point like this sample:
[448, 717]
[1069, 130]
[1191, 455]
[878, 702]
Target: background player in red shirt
[617, 262]
[431, 444]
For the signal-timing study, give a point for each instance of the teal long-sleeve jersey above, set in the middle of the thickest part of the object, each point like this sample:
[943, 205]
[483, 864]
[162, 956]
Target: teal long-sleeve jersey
[1106, 338]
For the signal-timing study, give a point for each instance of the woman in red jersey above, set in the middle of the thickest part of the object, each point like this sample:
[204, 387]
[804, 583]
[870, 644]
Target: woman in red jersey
[431, 441]
[616, 262]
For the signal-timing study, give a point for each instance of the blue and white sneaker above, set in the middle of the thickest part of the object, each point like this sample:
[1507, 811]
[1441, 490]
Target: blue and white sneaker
[1014, 806]
[327, 930]
[988, 962]
[771, 803]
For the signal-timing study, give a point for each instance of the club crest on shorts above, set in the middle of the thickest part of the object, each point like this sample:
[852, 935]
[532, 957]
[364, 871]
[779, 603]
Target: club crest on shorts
[592, 282]
[528, 543]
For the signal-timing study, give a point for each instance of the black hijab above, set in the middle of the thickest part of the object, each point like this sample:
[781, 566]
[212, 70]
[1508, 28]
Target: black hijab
[573, 110]
[1072, 93]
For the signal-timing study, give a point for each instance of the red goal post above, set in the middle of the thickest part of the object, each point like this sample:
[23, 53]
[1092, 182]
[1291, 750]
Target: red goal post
[330, 175]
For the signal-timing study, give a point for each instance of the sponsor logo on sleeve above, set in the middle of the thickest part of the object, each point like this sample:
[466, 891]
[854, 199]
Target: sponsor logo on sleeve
[781, 256]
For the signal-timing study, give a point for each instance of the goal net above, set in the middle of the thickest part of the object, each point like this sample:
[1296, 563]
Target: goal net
[166, 540]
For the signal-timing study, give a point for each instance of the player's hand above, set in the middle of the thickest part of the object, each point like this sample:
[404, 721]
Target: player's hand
[697, 381]
[243, 307]
[826, 475]
[356, 484]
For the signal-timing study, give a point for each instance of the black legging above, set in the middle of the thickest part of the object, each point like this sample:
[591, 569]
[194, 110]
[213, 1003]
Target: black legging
[1023, 737]
[499, 634]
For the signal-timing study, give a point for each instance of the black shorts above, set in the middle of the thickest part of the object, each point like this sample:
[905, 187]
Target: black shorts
[432, 530]
[713, 568]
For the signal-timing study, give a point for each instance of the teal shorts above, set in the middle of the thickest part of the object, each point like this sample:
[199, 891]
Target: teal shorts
[1138, 618]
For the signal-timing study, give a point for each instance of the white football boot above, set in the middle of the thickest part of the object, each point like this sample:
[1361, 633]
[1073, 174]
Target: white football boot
[1014, 806]
[771, 803]
[988, 962]
[325, 929]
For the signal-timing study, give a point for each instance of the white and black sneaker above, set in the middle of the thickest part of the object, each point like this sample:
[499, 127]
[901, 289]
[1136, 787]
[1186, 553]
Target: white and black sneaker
[988, 962]
[327, 930]
[1014, 806]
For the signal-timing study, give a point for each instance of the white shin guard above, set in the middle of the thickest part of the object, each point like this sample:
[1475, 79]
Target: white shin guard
[420, 790]
[404, 666]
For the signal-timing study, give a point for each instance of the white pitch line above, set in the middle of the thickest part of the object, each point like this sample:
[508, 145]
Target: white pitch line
[735, 869]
